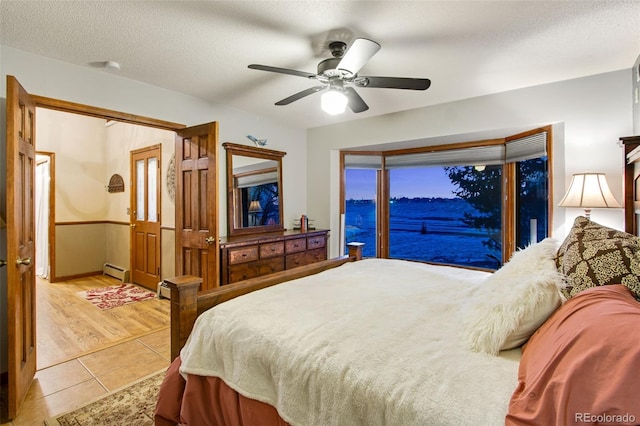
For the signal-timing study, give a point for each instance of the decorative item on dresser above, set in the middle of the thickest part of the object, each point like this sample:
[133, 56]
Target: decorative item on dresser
[249, 256]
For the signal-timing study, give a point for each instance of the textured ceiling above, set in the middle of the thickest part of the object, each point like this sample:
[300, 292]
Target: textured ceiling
[466, 48]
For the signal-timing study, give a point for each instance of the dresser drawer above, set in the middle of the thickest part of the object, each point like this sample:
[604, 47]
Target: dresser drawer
[271, 250]
[316, 242]
[269, 266]
[305, 258]
[243, 254]
[296, 245]
[242, 271]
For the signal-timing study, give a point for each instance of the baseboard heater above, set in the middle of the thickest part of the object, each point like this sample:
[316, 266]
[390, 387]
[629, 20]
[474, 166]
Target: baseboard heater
[116, 272]
[163, 291]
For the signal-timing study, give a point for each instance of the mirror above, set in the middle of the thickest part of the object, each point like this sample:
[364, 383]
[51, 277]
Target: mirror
[254, 189]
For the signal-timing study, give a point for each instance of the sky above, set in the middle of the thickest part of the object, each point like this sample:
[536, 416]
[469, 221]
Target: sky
[410, 183]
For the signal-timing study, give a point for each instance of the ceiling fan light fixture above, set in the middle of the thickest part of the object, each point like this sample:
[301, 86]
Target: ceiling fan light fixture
[333, 102]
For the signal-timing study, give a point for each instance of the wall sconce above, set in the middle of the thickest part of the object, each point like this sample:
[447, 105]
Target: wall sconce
[589, 190]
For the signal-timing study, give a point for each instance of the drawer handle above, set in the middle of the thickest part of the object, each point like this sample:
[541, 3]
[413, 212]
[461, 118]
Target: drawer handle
[273, 249]
[244, 254]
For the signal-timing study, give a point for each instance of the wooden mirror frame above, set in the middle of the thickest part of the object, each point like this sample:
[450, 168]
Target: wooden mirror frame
[255, 152]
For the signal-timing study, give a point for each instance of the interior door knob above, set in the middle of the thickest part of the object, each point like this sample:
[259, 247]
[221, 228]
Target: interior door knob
[25, 261]
[2, 262]
[209, 240]
[133, 225]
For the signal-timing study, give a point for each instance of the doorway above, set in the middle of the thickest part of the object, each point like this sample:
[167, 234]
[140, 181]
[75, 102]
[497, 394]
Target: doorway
[89, 222]
[21, 246]
[44, 208]
[77, 139]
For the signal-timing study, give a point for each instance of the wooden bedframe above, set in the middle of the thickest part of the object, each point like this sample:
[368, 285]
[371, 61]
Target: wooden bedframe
[187, 303]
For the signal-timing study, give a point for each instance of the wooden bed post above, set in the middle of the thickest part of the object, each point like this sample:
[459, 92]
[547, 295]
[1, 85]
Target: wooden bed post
[355, 250]
[184, 309]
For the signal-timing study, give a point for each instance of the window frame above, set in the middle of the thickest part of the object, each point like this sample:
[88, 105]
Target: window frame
[509, 191]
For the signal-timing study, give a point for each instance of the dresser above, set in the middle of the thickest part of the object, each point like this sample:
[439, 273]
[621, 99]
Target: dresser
[249, 256]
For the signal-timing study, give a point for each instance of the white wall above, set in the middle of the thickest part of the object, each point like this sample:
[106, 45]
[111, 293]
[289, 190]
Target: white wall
[85, 85]
[589, 115]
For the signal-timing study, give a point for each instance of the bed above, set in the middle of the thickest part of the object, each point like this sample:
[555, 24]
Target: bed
[390, 342]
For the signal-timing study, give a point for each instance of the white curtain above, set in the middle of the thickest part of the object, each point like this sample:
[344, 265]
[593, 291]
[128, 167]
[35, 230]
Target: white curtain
[42, 219]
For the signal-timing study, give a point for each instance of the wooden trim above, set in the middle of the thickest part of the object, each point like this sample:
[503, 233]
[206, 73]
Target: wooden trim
[74, 276]
[187, 304]
[251, 151]
[254, 152]
[107, 114]
[116, 222]
[630, 143]
[84, 222]
[508, 211]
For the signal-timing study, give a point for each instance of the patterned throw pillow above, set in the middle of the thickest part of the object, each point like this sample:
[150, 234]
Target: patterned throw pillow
[594, 255]
[585, 230]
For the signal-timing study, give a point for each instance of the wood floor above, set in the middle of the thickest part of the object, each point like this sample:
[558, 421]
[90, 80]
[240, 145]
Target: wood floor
[84, 352]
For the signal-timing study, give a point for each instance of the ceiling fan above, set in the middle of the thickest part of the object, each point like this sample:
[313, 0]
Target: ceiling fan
[338, 74]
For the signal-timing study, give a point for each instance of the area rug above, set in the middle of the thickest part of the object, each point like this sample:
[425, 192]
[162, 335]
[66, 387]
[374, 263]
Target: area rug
[132, 405]
[114, 296]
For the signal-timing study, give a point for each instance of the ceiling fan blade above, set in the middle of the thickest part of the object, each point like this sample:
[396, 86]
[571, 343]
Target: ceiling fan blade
[358, 54]
[356, 103]
[282, 70]
[393, 82]
[300, 95]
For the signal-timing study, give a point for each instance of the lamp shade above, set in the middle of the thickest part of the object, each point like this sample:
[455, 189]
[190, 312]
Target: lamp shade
[254, 206]
[333, 102]
[589, 190]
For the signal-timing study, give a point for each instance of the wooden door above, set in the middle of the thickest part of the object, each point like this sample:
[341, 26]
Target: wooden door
[145, 216]
[21, 297]
[197, 243]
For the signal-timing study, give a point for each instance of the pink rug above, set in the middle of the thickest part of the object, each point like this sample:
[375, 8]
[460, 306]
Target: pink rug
[112, 297]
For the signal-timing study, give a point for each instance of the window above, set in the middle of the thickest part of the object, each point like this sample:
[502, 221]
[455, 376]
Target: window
[471, 204]
[432, 219]
[361, 205]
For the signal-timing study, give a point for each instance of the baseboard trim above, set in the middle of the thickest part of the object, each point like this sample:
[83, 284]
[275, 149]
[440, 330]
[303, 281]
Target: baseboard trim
[73, 277]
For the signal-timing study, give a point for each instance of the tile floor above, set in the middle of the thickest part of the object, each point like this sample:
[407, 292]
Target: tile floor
[74, 383]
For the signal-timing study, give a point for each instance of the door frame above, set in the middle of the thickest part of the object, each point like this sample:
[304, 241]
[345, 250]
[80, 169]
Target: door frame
[15, 401]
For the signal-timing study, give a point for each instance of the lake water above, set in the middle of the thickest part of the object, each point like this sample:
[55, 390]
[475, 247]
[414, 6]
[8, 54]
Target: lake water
[423, 229]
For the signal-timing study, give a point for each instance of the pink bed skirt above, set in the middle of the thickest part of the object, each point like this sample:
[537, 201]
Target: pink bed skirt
[205, 401]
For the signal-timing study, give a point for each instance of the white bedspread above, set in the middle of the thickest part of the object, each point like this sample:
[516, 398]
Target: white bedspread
[375, 342]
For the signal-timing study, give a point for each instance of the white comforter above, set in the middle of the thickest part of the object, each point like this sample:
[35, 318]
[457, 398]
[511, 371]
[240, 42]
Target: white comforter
[375, 342]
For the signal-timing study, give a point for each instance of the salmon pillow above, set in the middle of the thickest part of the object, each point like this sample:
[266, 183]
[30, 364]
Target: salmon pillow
[581, 366]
